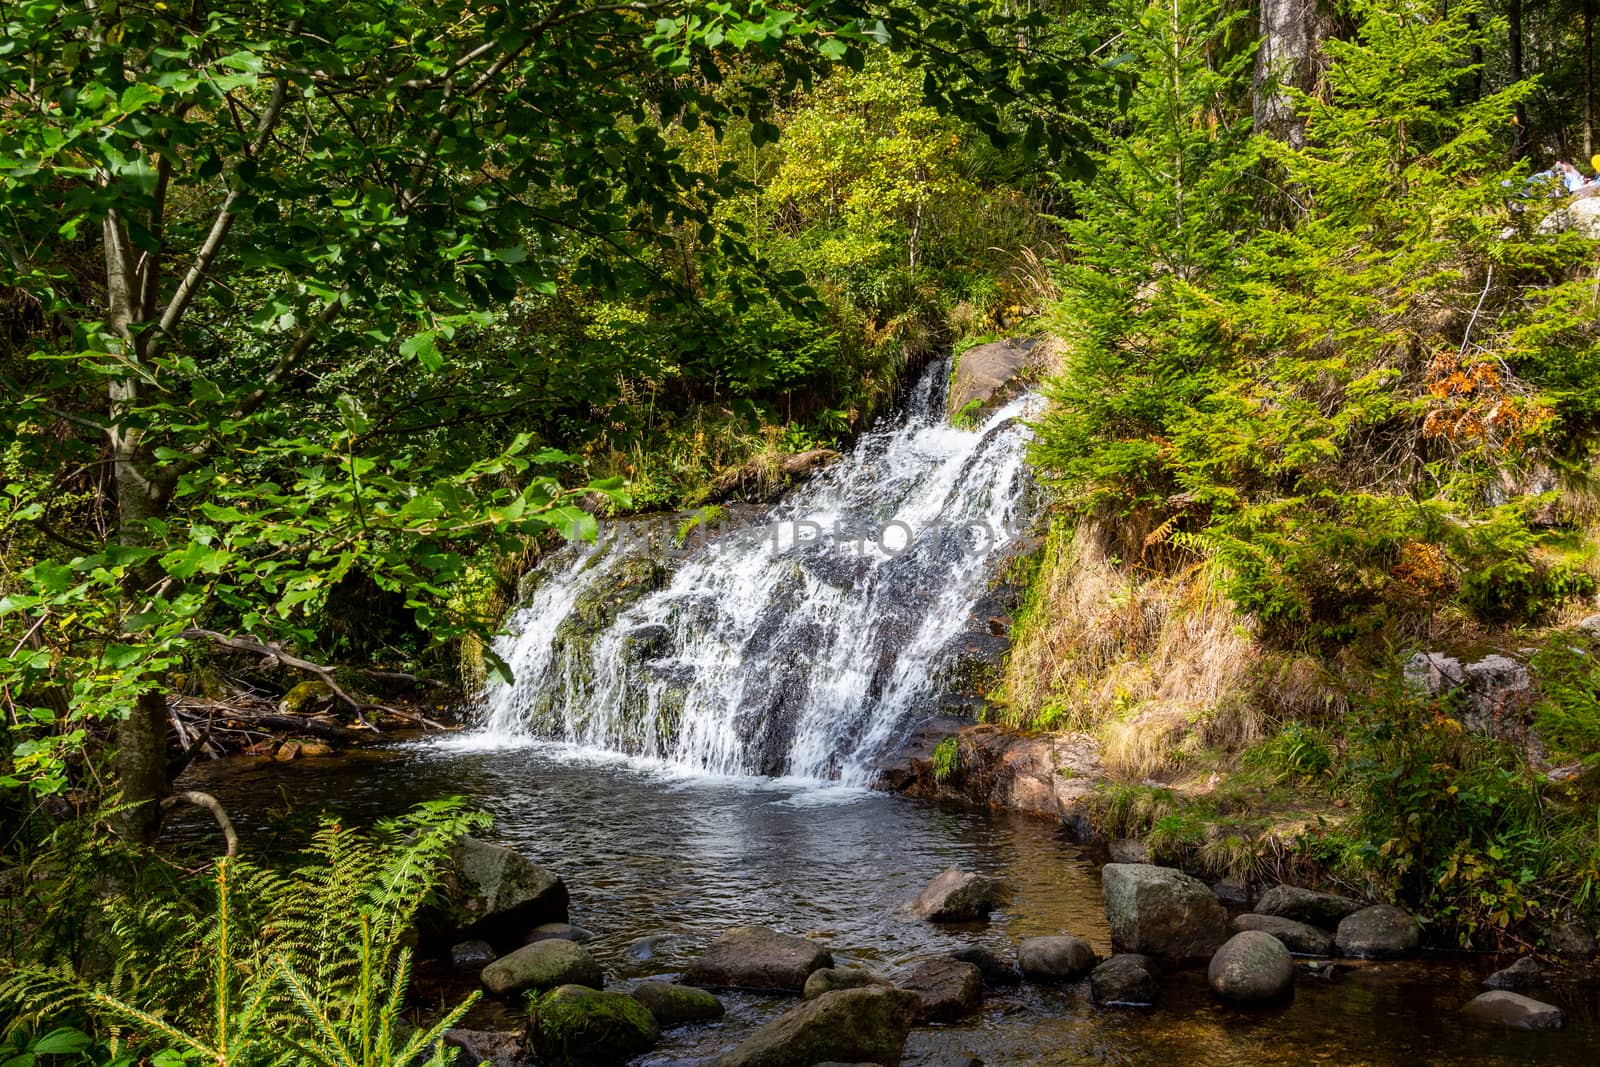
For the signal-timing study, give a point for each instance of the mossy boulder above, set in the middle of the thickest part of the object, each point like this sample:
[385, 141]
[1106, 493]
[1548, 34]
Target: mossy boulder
[307, 698]
[576, 1026]
[675, 1005]
[867, 1025]
[540, 966]
[495, 894]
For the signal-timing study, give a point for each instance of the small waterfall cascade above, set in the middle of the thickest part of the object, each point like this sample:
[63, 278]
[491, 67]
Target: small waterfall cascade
[800, 641]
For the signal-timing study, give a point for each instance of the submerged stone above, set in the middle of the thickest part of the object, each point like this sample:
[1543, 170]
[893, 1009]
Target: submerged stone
[675, 1005]
[1124, 981]
[757, 958]
[1381, 932]
[1512, 1010]
[867, 1025]
[947, 988]
[958, 896]
[1063, 957]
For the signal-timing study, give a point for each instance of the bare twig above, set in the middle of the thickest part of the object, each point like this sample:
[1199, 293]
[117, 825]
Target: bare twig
[214, 806]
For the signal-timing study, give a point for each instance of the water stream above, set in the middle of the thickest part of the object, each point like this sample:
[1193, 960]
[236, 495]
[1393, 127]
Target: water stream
[660, 860]
[802, 643]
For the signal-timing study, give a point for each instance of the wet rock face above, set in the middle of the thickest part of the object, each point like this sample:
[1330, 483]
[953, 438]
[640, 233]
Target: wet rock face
[987, 374]
[1326, 910]
[1040, 775]
[958, 896]
[1513, 1011]
[470, 957]
[866, 1025]
[574, 1026]
[1381, 932]
[1124, 981]
[1301, 939]
[948, 989]
[1252, 967]
[1161, 912]
[540, 966]
[757, 958]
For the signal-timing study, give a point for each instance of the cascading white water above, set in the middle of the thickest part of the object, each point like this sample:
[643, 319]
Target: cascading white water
[803, 643]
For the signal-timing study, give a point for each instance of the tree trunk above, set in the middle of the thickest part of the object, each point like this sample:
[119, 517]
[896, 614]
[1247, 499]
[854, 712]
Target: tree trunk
[141, 759]
[1588, 78]
[1291, 33]
[1514, 29]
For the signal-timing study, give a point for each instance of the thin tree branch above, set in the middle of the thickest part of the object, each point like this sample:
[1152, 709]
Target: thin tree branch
[211, 804]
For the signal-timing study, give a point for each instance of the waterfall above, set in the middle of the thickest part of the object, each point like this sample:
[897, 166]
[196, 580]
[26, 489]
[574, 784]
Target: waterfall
[801, 641]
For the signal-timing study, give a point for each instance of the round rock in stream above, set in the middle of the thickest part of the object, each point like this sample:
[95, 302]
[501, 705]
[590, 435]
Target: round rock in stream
[1301, 939]
[998, 972]
[866, 1025]
[1161, 912]
[1063, 957]
[757, 958]
[958, 896]
[1326, 910]
[574, 1026]
[470, 957]
[542, 965]
[496, 894]
[1252, 967]
[1573, 941]
[675, 1005]
[948, 989]
[1381, 932]
[1504, 1008]
[1124, 981]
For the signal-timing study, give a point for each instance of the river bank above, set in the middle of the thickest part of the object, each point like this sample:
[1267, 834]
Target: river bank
[660, 862]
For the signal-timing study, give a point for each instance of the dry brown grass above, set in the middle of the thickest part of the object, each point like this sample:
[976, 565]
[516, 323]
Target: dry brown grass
[1149, 657]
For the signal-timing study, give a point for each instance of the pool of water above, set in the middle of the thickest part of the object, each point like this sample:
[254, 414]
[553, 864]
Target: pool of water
[659, 862]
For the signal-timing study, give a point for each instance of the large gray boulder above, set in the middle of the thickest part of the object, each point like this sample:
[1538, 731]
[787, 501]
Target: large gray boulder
[947, 988]
[1252, 967]
[755, 957]
[958, 896]
[1124, 981]
[1381, 932]
[1059, 958]
[497, 895]
[1581, 216]
[829, 979]
[867, 1025]
[1301, 939]
[984, 375]
[542, 965]
[1326, 910]
[1501, 1007]
[573, 1026]
[675, 1005]
[1523, 974]
[1161, 912]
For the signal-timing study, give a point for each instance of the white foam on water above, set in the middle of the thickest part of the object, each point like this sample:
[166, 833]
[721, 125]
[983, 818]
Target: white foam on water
[801, 647]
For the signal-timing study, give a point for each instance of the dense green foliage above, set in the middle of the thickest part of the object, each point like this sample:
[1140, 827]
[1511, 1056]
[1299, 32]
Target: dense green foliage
[298, 963]
[318, 313]
[1333, 409]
